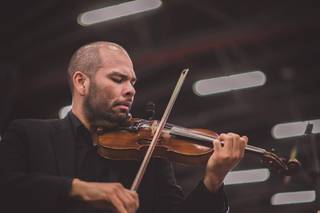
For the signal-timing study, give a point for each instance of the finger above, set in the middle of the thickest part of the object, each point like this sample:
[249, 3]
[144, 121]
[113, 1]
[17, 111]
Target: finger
[125, 199]
[118, 204]
[129, 199]
[216, 145]
[244, 141]
[227, 141]
[245, 138]
[134, 198]
[235, 144]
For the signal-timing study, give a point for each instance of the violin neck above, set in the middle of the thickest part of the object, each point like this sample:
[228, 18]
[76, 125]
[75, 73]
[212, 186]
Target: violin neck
[206, 140]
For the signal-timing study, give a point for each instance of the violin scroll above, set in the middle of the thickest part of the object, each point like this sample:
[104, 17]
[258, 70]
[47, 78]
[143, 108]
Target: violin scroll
[281, 165]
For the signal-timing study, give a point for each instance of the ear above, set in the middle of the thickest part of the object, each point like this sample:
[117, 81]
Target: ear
[80, 83]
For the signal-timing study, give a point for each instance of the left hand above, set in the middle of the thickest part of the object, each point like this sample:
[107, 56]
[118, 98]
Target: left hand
[224, 158]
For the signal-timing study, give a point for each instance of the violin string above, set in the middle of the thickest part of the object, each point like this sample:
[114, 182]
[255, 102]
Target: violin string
[202, 137]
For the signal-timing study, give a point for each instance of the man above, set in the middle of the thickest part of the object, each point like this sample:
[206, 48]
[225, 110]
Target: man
[53, 166]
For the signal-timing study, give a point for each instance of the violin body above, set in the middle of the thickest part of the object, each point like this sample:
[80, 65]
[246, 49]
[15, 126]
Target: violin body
[131, 143]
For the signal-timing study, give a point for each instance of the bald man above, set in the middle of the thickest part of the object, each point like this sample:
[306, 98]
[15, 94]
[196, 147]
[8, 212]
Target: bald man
[53, 165]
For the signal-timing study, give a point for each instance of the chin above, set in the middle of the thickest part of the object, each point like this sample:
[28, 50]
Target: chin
[121, 112]
[122, 116]
[119, 115]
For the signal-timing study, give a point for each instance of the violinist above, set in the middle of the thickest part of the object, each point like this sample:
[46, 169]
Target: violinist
[53, 165]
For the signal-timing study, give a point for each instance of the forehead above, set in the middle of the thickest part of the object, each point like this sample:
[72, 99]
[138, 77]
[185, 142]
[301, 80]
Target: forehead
[114, 58]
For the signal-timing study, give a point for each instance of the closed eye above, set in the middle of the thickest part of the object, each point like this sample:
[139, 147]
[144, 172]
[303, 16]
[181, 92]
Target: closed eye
[117, 79]
[120, 78]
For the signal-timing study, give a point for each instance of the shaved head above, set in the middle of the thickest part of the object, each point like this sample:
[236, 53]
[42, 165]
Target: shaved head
[87, 59]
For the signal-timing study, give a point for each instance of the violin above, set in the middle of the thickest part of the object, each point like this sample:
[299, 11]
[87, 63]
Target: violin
[177, 144]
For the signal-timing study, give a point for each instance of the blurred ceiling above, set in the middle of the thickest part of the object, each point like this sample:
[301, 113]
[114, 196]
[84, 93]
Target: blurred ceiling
[213, 38]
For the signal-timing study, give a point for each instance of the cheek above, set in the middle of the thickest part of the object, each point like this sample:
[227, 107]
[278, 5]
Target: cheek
[107, 95]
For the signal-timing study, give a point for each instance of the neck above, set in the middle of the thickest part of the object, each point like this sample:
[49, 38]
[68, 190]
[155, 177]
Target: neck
[77, 110]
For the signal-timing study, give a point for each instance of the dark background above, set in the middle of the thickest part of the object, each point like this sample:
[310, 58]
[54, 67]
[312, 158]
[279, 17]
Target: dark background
[213, 38]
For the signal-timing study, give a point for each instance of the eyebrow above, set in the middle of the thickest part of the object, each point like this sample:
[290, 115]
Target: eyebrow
[117, 73]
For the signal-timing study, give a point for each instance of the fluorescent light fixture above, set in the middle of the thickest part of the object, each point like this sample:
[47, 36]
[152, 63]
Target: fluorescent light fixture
[293, 197]
[117, 11]
[292, 129]
[229, 83]
[64, 111]
[247, 176]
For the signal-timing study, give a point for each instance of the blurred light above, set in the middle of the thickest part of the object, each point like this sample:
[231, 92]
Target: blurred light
[292, 129]
[229, 83]
[64, 111]
[247, 176]
[117, 11]
[293, 197]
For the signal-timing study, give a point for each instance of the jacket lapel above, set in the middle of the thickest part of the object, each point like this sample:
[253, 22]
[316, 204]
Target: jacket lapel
[64, 146]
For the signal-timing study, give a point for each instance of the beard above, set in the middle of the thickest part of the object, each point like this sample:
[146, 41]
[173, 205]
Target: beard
[99, 110]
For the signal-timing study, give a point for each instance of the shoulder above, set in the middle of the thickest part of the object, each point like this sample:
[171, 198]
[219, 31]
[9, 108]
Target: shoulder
[25, 126]
[33, 130]
[34, 123]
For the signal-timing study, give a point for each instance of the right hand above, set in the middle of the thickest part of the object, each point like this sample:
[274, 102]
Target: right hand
[106, 195]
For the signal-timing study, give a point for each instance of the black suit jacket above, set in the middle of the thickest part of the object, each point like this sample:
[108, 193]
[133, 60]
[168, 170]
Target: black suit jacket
[37, 167]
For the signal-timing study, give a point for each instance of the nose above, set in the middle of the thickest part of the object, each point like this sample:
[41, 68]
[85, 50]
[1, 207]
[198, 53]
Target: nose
[129, 90]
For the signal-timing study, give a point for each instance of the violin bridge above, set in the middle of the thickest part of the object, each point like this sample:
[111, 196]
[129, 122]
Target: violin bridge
[154, 126]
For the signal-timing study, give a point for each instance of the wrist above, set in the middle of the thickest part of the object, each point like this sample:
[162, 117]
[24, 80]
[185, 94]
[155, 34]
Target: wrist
[76, 188]
[212, 182]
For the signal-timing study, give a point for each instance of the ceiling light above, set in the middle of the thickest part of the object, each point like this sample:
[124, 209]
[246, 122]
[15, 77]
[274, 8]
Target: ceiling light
[117, 11]
[293, 197]
[292, 129]
[247, 176]
[229, 83]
